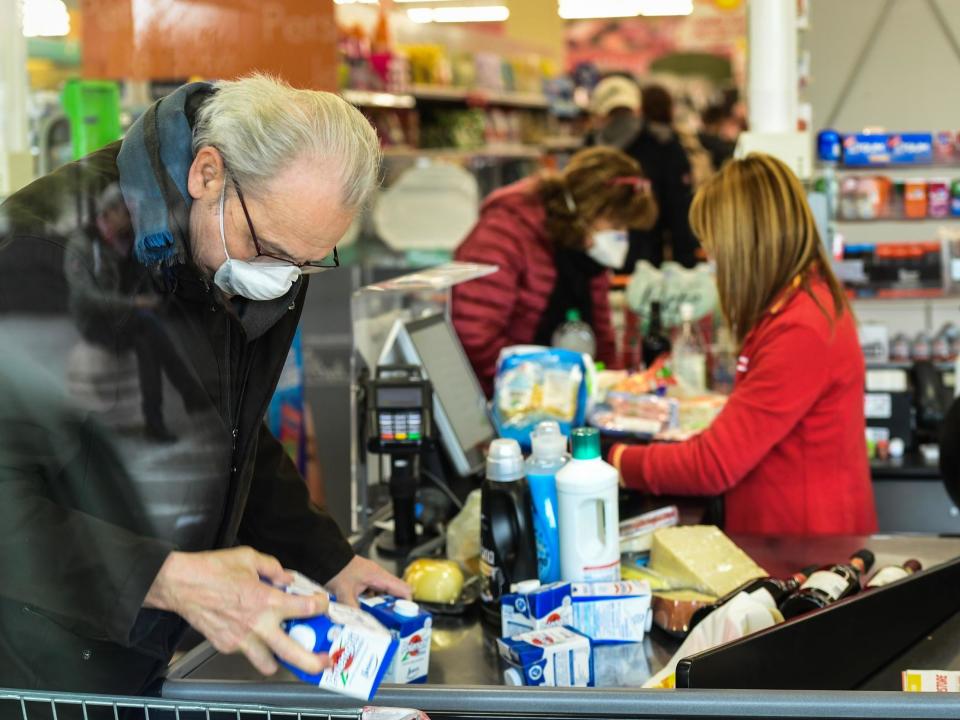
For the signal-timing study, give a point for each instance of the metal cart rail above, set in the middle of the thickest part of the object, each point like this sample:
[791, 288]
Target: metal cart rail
[32, 705]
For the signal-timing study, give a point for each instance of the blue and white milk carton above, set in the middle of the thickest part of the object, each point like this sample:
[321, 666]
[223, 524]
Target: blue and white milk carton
[612, 612]
[360, 647]
[533, 607]
[553, 657]
[412, 627]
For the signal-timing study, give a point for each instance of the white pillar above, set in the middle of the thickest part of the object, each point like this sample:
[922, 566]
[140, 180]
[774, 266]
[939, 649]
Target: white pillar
[772, 66]
[16, 163]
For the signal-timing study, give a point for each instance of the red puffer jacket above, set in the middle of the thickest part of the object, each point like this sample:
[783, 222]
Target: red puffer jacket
[504, 309]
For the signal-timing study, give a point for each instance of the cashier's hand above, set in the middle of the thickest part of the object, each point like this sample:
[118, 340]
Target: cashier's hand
[221, 595]
[360, 575]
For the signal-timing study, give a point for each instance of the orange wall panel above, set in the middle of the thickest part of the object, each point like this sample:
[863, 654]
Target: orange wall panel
[169, 39]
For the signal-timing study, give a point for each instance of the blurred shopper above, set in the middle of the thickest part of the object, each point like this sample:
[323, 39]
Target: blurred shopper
[787, 453]
[149, 294]
[555, 239]
[718, 134]
[616, 107]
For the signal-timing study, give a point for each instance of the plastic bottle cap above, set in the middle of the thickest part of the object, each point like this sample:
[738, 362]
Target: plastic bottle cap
[586, 443]
[512, 676]
[897, 448]
[407, 608]
[504, 461]
[686, 312]
[525, 586]
[547, 441]
[573, 315]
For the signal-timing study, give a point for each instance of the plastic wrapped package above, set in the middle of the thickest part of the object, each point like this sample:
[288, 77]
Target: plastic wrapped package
[463, 534]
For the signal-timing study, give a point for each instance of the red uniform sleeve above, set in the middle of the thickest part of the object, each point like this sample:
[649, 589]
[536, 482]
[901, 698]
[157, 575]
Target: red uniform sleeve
[481, 309]
[602, 322]
[783, 381]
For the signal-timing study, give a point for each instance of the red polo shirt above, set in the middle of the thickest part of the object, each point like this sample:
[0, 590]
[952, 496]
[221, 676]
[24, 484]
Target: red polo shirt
[788, 451]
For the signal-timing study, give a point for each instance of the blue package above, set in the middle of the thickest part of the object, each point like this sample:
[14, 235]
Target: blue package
[412, 627]
[552, 657]
[535, 608]
[868, 149]
[533, 384]
[911, 148]
[549, 456]
[360, 647]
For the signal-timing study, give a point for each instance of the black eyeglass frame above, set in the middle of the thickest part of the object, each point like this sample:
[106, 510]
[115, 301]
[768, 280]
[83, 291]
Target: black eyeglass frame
[318, 264]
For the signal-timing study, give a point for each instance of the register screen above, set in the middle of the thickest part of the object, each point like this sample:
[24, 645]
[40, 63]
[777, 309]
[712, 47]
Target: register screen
[454, 383]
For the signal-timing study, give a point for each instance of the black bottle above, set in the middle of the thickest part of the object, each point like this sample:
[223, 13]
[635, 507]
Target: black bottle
[655, 342]
[508, 552]
[779, 590]
[828, 584]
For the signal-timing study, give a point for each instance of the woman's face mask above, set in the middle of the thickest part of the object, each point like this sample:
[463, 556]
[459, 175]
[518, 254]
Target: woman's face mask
[252, 280]
[609, 247]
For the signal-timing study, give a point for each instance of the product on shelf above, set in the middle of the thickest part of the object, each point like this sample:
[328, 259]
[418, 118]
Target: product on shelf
[938, 198]
[915, 199]
[828, 584]
[702, 558]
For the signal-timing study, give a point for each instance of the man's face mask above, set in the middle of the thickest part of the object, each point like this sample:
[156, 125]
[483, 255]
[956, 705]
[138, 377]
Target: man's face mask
[609, 247]
[252, 280]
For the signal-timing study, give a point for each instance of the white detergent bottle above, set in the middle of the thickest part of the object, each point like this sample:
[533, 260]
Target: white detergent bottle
[587, 490]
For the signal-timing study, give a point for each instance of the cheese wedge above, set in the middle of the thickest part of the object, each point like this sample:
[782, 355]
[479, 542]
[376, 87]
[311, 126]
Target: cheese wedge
[702, 557]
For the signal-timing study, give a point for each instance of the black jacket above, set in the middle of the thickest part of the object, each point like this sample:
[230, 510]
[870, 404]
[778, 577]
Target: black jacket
[131, 424]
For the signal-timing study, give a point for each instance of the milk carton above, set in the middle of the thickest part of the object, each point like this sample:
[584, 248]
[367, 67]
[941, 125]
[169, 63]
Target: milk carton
[360, 647]
[534, 607]
[612, 612]
[553, 657]
[411, 626]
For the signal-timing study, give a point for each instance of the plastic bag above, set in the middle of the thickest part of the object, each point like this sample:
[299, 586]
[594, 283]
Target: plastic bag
[534, 384]
[463, 534]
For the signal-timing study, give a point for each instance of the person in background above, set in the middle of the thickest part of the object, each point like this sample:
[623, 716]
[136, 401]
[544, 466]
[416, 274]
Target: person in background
[718, 134]
[554, 238]
[787, 453]
[616, 107]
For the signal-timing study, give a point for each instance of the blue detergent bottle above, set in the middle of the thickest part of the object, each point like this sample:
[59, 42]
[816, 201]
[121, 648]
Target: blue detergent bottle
[549, 455]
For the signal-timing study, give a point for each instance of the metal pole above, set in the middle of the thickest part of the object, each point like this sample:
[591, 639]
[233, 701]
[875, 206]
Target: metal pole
[772, 66]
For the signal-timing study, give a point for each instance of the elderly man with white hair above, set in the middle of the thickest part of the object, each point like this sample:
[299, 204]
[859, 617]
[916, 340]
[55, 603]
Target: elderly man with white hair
[149, 294]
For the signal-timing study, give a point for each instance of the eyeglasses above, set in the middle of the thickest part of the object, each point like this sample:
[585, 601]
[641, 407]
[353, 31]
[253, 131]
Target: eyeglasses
[331, 261]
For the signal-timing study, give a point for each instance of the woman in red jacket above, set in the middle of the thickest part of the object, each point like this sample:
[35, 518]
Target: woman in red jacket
[554, 238]
[788, 452]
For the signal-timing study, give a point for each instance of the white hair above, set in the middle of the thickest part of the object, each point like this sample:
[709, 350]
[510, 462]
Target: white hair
[261, 125]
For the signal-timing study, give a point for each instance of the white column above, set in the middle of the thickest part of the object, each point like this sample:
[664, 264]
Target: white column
[772, 66]
[16, 163]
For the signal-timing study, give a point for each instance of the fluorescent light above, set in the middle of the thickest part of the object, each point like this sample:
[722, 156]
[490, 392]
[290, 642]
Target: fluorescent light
[665, 7]
[585, 9]
[45, 18]
[477, 13]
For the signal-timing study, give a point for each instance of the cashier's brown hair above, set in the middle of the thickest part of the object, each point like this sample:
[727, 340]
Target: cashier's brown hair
[753, 219]
[597, 183]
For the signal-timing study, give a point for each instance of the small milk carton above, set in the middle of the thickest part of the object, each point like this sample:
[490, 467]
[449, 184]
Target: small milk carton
[612, 612]
[534, 607]
[553, 657]
[411, 626]
[360, 647]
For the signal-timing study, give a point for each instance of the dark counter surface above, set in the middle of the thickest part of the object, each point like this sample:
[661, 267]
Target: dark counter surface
[912, 466]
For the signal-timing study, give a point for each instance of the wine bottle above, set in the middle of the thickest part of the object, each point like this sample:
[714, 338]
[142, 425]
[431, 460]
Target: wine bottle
[828, 584]
[892, 573]
[655, 342]
[779, 590]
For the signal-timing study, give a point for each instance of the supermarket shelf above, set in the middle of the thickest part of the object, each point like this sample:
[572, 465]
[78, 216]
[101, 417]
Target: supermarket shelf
[480, 96]
[487, 151]
[929, 170]
[882, 220]
[920, 294]
[368, 98]
[561, 143]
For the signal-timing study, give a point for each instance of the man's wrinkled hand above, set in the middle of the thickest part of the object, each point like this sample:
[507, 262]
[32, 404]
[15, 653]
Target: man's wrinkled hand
[361, 575]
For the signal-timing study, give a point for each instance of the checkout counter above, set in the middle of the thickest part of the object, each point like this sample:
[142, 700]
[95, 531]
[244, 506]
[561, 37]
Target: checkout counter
[403, 322]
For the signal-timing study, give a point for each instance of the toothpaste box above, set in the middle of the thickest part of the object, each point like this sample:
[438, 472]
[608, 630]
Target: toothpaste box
[910, 148]
[866, 149]
[412, 627]
[360, 647]
[552, 657]
[546, 606]
[612, 612]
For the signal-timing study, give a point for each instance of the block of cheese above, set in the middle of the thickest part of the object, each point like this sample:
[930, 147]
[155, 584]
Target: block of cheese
[702, 557]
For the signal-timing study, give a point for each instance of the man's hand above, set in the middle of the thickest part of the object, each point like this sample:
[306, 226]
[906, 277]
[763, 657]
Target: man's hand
[361, 574]
[221, 594]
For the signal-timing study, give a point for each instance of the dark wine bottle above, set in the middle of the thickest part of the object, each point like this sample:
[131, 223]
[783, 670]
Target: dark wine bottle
[779, 590]
[828, 584]
[893, 573]
[655, 342]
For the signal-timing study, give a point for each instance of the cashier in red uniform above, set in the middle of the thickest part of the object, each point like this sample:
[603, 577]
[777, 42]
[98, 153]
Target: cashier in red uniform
[554, 238]
[787, 453]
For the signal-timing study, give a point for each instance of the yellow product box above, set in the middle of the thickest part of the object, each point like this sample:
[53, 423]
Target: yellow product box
[931, 680]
